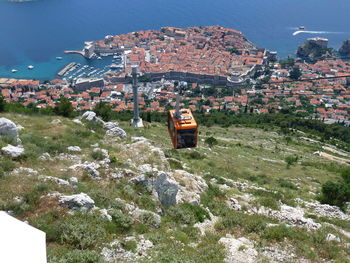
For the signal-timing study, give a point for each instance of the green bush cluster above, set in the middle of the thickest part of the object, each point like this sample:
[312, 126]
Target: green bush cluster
[81, 231]
[187, 214]
[337, 193]
[74, 256]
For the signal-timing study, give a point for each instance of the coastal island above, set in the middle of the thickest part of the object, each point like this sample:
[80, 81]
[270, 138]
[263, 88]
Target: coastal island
[212, 54]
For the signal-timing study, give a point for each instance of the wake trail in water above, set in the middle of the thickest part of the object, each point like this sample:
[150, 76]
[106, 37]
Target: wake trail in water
[316, 32]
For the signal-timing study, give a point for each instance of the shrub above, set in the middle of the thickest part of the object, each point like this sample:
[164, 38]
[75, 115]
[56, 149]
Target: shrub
[97, 155]
[335, 193]
[267, 202]
[129, 245]
[286, 184]
[234, 219]
[75, 256]
[121, 221]
[187, 214]
[291, 159]
[211, 141]
[81, 231]
[277, 233]
[195, 155]
[7, 165]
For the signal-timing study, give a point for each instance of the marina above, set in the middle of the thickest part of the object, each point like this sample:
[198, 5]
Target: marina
[92, 68]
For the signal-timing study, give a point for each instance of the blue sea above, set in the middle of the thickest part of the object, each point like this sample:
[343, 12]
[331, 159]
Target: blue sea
[36, 32]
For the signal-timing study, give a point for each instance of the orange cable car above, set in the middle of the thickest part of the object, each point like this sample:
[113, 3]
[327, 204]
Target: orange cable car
[183, 129]
[182, 126]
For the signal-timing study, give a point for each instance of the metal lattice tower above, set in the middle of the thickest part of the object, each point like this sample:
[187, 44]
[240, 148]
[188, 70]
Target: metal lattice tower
[136, 121]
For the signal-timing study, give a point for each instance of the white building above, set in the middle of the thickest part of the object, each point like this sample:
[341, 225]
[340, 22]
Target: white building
[20, 242]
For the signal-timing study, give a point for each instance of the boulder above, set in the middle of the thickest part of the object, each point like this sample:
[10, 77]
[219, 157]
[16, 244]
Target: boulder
[12, 151]
[91, 117]
[9, 129]
[116, 132]
[79, 202]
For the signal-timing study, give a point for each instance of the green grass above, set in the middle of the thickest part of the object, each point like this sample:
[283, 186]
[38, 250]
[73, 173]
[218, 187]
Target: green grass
[256, 156]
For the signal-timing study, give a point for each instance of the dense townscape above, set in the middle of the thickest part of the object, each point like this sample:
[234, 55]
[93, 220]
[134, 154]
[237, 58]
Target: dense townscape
[319, 89]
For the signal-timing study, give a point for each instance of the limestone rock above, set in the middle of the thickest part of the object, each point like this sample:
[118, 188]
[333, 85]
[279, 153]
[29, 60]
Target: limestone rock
[54, 179]
[110, 125]
[166, 190]
[115, 252]
[78, 122]
[12, 151]
[73, 180]
[91, 117]
[331, 237]
[116, 132]
[233, 204]
[79, 201]
[45, 157]
[293, 216]
[56, 121]
[91, 168]
[190, 187]
[9, 129]
[239, 250]
[74, 149]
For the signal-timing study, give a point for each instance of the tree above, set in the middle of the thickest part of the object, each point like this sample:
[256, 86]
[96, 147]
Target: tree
[104, 111]
[64, 108]
[295, 73]
[2, 103]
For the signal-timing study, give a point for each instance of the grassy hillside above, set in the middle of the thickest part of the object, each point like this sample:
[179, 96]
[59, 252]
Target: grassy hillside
[254, 183]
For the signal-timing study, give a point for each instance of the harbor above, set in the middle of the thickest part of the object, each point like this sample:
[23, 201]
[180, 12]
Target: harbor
[92, 68]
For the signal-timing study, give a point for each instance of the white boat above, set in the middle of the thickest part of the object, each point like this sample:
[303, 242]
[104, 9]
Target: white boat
[58, 58]
[115, 66]
[99, 58]
[14, 70]
[30, 67]
[301, 28]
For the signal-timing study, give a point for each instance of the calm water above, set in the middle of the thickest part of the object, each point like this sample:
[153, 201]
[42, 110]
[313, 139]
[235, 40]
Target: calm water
[34, 33]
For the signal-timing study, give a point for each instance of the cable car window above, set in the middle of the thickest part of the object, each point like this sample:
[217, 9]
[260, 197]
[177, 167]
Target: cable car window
[186, 138]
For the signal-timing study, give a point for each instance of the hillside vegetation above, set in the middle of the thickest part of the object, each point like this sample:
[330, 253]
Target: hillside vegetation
[243, 195]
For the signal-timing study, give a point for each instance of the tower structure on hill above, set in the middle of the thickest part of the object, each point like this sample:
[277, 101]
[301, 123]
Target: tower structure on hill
[136, 121]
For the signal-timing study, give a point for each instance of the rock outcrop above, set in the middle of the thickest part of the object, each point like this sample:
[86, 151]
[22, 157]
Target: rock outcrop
[80, 201]
[345, 48]
[314, 48]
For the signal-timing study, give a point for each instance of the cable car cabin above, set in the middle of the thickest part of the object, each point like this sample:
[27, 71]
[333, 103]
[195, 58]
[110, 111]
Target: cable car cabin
[183, 130]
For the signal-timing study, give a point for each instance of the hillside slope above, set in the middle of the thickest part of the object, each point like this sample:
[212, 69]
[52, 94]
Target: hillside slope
[101, 196]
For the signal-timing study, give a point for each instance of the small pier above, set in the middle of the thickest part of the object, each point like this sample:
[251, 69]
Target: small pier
[80, 52]
[67, 68]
